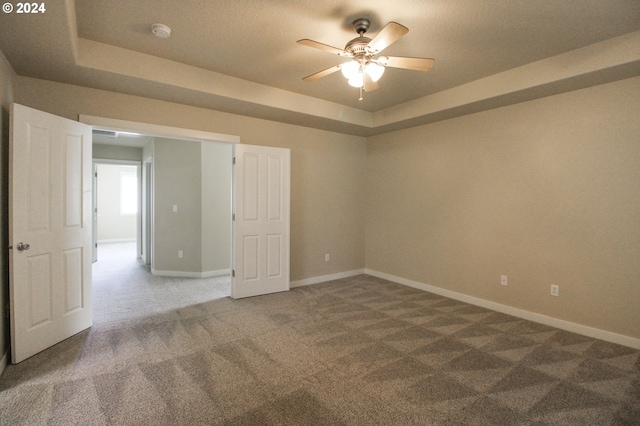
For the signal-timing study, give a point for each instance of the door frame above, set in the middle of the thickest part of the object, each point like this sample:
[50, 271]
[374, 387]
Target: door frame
[110, 162]
[146, 209]
[157, 130]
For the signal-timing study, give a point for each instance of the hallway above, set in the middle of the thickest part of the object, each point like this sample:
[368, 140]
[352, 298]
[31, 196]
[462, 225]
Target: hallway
[123, 289]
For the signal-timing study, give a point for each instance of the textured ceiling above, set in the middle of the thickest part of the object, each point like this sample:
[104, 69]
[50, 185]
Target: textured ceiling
[255, 41]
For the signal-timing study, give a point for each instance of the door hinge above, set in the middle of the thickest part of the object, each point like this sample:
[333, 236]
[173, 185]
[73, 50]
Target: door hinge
[234, 160]
[233, 273]
[233, 217]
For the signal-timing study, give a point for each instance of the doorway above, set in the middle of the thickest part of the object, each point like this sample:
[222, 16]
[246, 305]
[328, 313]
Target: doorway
[116, 204]
[262, 174]
[183, 211]
[181, 227]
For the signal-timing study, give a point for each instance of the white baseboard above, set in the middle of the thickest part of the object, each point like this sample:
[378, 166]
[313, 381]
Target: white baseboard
[520, 313]
[117, 240]
[186, 274]
[218, 273]
[3, 361]
[324, 278]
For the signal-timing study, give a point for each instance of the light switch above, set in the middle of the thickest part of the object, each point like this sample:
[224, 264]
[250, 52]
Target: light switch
[175, 208]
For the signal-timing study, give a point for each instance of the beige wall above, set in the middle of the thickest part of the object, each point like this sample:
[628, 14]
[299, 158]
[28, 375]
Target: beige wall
[113, 152]
[196, 177]
[7, 76]
[216, 206]
[545, 192]
[177, 181]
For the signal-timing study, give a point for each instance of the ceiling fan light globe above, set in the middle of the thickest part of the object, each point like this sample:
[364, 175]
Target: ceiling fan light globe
[350, 69]
[375, 71]
[357, 80]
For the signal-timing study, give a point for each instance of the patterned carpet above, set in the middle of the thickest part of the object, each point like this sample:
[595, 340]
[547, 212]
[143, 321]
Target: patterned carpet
[356, 351]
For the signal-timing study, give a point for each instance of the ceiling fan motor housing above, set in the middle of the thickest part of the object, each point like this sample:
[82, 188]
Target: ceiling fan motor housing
[357, 46]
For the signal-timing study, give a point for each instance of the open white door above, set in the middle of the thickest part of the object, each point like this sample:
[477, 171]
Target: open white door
[49, 230]
[261, 180]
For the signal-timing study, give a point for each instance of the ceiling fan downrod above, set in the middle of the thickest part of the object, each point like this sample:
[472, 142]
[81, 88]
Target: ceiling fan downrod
[361, 25]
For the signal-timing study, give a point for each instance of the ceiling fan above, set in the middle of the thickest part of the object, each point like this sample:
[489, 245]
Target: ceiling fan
[364, 71]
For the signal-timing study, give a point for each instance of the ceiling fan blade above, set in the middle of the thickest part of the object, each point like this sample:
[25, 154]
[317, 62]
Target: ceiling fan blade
[322, 73]
[322, 46]
[418, 64]
[369, 84]
[388, 35]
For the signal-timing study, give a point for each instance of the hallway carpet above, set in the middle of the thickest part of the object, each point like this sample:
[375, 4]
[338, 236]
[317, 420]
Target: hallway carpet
[123, 289]
[355, 351]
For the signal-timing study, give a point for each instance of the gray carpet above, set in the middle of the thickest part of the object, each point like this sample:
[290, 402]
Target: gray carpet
[124, 290]
[356, 351]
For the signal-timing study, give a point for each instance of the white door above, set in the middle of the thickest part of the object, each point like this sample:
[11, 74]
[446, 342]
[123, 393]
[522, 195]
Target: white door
[260, 255]
[49, 230]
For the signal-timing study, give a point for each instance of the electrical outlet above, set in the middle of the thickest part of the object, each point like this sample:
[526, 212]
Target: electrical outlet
[327, 257]
[555, 290]
[503, 280]
[180, 254]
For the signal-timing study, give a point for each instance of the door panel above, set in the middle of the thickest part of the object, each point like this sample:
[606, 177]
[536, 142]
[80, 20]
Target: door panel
[39, 286]
[50, 210]
[274, 200]
[261, 227]
[250, 257]
[36, 161]
[274, 256]
[72, 274]
[72, 181]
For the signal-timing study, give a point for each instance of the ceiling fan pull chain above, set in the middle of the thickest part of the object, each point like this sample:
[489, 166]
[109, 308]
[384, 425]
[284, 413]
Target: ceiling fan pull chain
[360, 94]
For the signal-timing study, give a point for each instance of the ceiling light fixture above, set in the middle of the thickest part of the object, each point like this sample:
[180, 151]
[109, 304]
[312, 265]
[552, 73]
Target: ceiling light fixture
[354, 71]
[161, 30]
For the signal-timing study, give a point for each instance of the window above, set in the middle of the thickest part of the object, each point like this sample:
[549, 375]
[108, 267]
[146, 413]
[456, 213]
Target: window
[128, 193]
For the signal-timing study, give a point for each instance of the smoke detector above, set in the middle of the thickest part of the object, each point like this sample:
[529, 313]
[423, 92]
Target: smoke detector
[160, 30]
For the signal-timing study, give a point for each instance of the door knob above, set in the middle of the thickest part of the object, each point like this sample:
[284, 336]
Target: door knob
[23, 246]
